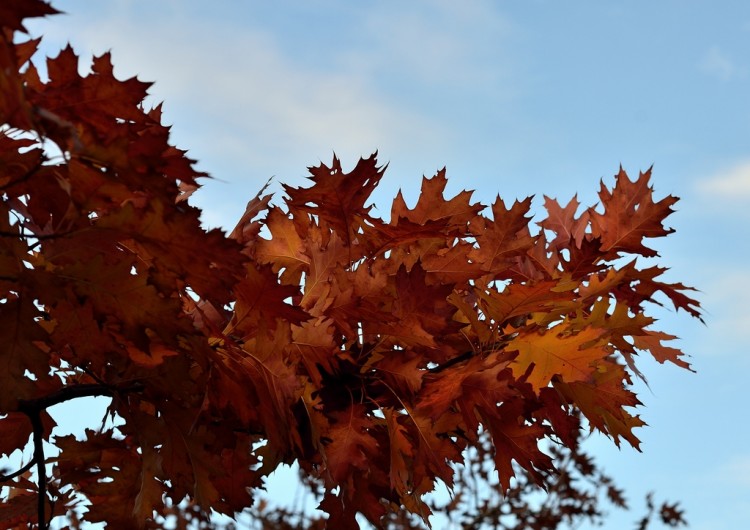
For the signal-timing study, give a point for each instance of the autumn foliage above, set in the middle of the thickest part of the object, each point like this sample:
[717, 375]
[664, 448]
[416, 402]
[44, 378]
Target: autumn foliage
[372, 352]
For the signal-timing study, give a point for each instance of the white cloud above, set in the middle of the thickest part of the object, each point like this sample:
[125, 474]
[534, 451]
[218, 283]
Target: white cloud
[249, 100]
[736, 471]
[716, 63]
[439, 42]
[233, 90]
[731, 183]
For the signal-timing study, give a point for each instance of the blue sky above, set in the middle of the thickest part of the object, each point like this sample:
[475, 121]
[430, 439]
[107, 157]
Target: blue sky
[515, 98]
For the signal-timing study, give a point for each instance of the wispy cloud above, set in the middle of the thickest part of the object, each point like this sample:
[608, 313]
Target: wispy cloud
[257, 102]
[734, 472]
[439, 43]
[732, 183]
[716, 63]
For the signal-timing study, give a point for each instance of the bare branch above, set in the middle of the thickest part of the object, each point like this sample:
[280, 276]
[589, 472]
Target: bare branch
[21, 471]
[72, 392]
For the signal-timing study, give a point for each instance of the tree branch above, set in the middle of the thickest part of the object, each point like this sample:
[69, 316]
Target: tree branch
[72, 392]
[41, 472]
[451, 362]
[21, 471]
[40, 237]
[33, 409]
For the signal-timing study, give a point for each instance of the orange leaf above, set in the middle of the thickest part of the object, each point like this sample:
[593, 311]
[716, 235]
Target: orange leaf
[557, 352]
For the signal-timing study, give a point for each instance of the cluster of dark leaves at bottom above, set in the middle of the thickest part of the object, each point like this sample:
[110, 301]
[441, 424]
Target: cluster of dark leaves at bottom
[581, 492]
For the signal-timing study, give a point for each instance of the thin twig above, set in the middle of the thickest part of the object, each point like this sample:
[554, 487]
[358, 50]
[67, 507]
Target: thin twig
[451, 362]
[40, 237]
[21, 471]
[26, 175]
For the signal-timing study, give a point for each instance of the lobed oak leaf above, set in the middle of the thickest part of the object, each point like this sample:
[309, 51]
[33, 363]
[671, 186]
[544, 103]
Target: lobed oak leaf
[336, 198]
[603, 399]
[314, 346]
[228, 388]
[21, 338]
[651, 341]
[351, 446]
[285, 249]
[484, 389]
[206, 316]
[20, 510]
[187, 455]
[503, 238]
[125, 301]
[11, 267]
[104, 468]
[476, 326]
[672, 514]
[630, 215]
[402, 452]
[239, 476]
[602, 283]
[150, 490]
[93, 102]
[247, 228]
[617, 319]
[420, 311]
[13, 12]
[450, 265]
[441, 391]
[437, 445]
[515, 439]
[24, 52]
[432, 209]
[402, 371]
[395, 241]
[365, 292]
[313, 423]
[207, 262]
[155, 354]
[539, 263]
[261, 298]
[327, 256]
[646, 286]
[275, 384]
[582, 260]
[15, 109]
[20, 159]
[619, 323]
[562, 221]
[521, 299]
[564, 422]
[478, 383]
[79, 334]
[557, 352]
[361, 498]
[15, 431]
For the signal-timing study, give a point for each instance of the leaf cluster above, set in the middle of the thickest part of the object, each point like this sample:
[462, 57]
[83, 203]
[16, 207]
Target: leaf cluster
[372, 352]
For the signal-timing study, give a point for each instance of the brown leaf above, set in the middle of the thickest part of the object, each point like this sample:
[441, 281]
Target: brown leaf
[630, 215]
